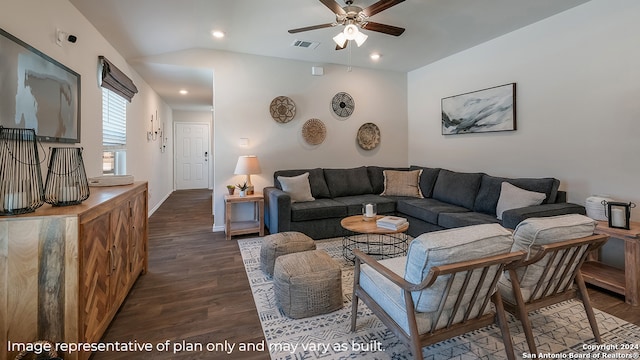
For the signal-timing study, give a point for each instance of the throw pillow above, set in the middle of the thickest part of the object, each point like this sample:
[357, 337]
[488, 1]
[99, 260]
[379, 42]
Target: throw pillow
[513, 197]
[297, 187]
[402, 183]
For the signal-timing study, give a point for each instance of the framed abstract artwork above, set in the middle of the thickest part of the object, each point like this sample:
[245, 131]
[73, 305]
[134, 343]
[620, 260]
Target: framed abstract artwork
[37, 92]
[487, 110]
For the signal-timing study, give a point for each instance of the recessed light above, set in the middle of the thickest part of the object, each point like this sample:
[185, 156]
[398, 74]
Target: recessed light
[217, 34]
[375, 56]
[184, 92]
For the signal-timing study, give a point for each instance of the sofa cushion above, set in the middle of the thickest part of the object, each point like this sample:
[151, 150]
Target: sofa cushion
[531, 234]
[318, 209]
[346, 182]
[402, 183]
[511, 218]
[376, 177]
[297, 187]
[354, 203]
[447, 247]
[457, 188]
[319, 188]
[490, 188]
[455, 220]
[426, 209]
[427, 179]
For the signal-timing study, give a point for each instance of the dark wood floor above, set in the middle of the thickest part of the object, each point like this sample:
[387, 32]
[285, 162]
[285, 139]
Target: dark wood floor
[197, 291]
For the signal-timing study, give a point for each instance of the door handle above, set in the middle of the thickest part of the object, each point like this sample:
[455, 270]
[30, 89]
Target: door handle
[206, 156]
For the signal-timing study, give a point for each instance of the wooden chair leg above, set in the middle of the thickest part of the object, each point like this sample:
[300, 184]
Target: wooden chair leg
[586, 302]
[354, 312]
[354, 300]
[523, 314]
[504, 326]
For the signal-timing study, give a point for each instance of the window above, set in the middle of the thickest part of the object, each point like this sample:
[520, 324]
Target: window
[114, 133]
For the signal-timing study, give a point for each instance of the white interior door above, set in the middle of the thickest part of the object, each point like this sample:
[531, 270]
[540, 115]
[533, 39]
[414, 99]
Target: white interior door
[192, 155]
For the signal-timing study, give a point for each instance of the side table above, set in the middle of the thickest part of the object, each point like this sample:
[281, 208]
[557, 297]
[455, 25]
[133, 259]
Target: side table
[256, 225]
[627, 281]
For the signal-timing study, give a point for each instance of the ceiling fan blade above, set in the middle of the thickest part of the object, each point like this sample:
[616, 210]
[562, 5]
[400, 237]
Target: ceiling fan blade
[334, 6]
[383, 28]
[380, 6]
[314, 27]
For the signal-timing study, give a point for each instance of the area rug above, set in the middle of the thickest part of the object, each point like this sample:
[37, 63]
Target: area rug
[561, 331]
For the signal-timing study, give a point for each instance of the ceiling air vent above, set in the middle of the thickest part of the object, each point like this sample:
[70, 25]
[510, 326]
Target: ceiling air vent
[305, 44]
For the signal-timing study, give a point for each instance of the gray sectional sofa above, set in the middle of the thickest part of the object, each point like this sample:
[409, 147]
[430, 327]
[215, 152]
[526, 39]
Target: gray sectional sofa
[450, 199]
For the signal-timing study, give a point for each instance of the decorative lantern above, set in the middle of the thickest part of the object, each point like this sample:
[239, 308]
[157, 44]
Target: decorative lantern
[21, 189]
[619, 214]
[67, 182]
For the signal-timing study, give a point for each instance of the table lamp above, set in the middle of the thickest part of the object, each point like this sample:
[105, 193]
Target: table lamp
[247, 165]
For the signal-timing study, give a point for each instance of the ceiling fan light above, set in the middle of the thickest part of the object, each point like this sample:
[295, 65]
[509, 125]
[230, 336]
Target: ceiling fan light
[340, 39]
[351, 31]
[360, 38]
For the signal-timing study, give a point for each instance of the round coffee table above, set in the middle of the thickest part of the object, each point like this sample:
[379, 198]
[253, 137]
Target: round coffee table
[367, 237]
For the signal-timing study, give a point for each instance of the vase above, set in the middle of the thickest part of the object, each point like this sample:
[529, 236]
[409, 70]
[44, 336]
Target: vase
[243, 193]
[231, 190]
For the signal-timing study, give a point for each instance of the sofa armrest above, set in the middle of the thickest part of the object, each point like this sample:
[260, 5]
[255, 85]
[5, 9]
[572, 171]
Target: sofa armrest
[277, 210]
[511, 218]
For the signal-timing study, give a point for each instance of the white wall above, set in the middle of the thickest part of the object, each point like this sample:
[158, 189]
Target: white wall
[578, 103]
[244, 86]
[35, 23]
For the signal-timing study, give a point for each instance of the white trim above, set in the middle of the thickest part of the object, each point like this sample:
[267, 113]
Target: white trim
[151, 211]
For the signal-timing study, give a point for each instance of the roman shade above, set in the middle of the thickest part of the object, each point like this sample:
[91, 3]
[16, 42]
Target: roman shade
[115, 80]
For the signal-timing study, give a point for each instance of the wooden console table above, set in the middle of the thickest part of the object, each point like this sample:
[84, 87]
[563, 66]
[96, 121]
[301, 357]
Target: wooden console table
[244, 227]
[627, 281]
[65, 271]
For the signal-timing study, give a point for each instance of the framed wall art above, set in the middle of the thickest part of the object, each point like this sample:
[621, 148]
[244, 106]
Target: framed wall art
[487, 110]
[37, 92]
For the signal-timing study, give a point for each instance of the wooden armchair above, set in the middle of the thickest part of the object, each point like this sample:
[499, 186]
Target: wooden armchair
[550, 284]
[437, 298]
[557, 246]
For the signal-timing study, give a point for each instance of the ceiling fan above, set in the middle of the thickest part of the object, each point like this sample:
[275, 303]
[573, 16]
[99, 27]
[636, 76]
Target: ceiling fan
[353, 17]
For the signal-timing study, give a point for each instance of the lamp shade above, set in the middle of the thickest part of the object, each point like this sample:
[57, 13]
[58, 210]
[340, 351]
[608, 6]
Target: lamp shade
[247, 165]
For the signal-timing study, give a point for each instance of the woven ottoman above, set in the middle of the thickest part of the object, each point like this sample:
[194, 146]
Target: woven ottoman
[308, 283]
[281, 244]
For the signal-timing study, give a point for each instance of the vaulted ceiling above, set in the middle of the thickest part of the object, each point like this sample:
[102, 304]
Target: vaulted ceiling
[434, 29]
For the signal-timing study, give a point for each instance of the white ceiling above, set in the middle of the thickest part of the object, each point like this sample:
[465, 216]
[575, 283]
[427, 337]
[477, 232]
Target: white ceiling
[434, 29]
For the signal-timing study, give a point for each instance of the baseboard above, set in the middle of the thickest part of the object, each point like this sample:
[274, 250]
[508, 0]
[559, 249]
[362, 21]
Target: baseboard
[218, 228]
[151, 211]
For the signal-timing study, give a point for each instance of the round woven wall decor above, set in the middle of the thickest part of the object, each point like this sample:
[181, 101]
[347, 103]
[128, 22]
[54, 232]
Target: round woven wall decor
[314, 132]
[282, 109]
[368, 136]
[342, 104]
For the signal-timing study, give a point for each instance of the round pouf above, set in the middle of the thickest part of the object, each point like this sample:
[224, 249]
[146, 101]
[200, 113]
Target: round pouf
[281, 244]
[308, 283]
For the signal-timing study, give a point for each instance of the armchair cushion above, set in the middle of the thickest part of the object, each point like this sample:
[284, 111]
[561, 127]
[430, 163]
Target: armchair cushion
[531, 234]
[389, 296]
[446, 247]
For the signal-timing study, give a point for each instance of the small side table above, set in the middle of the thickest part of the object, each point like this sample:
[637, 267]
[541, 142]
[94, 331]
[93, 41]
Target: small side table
[256, 225]
[627, 281]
